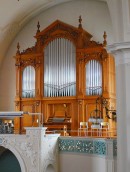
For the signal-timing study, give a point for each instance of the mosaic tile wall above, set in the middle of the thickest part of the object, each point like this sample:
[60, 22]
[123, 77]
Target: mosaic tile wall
[86, 146]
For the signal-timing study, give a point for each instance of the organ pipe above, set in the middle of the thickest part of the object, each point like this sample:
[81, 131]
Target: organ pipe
[28, 82]
[60, 68]
[93, 78]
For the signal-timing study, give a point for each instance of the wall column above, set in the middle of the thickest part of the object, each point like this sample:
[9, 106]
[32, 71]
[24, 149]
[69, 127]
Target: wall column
[121, 51]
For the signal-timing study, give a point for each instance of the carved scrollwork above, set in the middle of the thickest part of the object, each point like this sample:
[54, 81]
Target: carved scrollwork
[18, 62]
[26, 149]
[64, 30]
[46, 39]
[97, 55]
[63, 27]
[104, 55]
[17, 103]
[37, 103]
[80, 102]
[94, 44]
[30, 61]
[29, 50]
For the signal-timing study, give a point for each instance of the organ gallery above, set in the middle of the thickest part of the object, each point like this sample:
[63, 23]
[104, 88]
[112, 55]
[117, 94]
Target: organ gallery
[61, 77]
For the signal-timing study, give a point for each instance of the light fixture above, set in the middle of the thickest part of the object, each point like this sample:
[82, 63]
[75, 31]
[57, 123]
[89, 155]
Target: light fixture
[96, 116]
[113, 112]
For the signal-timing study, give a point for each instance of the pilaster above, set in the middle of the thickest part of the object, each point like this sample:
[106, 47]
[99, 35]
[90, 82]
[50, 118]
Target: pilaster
[121, 52]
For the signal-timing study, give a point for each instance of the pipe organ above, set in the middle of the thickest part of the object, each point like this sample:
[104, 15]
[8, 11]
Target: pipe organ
[61, 77]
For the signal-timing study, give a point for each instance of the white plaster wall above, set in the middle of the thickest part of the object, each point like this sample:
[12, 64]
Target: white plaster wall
[96, 20]
[85, 163]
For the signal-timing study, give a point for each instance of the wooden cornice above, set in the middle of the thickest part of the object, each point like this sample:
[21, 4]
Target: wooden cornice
[60, 29]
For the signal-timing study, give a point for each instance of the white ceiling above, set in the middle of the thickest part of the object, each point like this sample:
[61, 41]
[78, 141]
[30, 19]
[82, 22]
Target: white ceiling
[15, 14]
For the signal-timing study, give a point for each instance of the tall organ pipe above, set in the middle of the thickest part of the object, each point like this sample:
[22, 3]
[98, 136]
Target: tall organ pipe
[59, 68]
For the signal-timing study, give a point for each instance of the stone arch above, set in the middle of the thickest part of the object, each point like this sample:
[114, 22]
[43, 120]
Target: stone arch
[18, 156]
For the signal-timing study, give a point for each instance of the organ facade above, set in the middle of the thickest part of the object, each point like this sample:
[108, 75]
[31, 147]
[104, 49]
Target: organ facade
[62, 76]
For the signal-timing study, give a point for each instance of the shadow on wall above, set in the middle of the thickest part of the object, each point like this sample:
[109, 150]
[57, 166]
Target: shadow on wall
[50, 168]
[8, 161]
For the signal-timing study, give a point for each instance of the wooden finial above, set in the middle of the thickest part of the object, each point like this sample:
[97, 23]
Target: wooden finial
[18, 48]
[80, 22]
[38, 27]
[105, 37]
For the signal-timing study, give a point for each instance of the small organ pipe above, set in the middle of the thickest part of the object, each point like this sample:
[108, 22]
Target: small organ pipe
[93, 78]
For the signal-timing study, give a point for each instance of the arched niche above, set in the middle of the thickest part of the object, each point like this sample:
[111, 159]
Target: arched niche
[50, 168]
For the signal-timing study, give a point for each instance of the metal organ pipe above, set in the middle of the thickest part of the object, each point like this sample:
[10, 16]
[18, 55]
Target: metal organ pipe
[93, 78]
[98, 83]
[91, 74]
[59, 68]
[97, 78]
[28, 82]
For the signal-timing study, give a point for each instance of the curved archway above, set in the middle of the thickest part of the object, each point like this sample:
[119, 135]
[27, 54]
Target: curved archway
[50, 168]
[8, 161]
[18, 161]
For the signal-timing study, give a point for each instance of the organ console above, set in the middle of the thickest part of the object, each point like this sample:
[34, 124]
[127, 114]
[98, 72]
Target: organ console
[61, 76]
[59, 122]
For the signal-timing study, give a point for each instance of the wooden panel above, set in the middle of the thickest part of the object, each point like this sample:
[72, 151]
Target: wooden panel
[60, 113]
[27, 120]
[89, 108]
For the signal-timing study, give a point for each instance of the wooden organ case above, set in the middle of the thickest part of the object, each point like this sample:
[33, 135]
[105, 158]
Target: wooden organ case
[61, 76]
